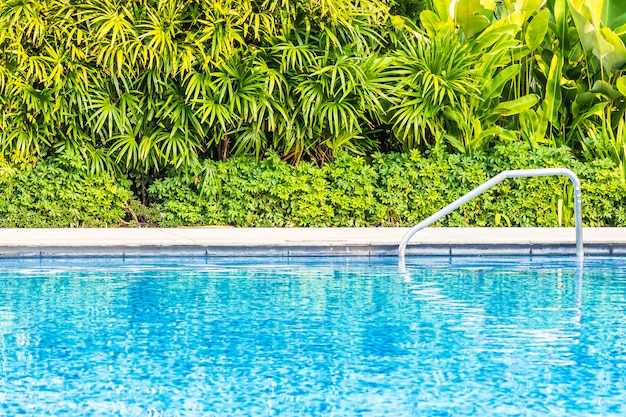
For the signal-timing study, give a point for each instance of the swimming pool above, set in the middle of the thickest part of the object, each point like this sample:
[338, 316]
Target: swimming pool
[312, 337]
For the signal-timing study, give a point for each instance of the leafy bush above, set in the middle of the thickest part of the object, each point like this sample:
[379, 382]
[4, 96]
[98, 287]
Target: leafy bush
[60, 194]
[391, 189]
[398, 189]
[245, 192]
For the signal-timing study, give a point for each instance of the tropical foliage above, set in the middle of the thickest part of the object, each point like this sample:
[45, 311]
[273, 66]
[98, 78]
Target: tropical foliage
[141, 85]
[152, 90]
[61, 193]
[387, 190]
[396, 189]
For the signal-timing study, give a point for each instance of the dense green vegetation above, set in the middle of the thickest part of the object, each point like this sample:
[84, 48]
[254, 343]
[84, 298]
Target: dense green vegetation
[61, 194]
[392, 189]
[325, 112]
[384, 190]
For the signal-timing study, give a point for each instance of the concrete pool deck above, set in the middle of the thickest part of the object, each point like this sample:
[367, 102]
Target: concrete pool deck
[230, 241]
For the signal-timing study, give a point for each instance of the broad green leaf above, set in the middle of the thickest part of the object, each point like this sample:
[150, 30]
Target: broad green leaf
[552, 100]
[616, 58]
[508, 6]
[614, 13]
[528, 6]
[442, 8]
[431, 22]
[585, 98]
[620, 30]
[476, 24]
[601, 42]
[537, 29]
[595, 110]
[603, 49]
[517, 105]
[582, 9]
[595, 11]
[532, 128]
[582, 20]
[464, 10]
[488, 4]
[604, 88]
[516, 18]
[495, 32]
[559, 9]
[621, 85]
[609, 14]
[495, 86]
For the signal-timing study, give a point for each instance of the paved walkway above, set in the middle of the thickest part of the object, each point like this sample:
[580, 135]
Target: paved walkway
[228, 241]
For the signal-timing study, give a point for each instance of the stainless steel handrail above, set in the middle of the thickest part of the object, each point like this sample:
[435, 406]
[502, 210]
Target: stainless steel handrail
[495, 180]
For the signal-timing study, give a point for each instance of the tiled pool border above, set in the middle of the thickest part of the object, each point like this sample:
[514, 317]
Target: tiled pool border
[294, 242]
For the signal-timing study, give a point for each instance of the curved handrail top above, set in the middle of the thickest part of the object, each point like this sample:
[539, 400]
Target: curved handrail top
[490, 183]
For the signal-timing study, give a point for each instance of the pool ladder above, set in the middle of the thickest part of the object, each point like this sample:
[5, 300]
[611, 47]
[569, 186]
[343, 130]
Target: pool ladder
[495, 180]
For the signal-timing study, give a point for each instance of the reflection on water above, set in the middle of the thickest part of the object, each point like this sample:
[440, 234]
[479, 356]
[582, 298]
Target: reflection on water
[312, 337]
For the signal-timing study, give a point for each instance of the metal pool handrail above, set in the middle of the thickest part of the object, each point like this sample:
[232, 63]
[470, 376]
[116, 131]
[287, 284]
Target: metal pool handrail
[495, 180]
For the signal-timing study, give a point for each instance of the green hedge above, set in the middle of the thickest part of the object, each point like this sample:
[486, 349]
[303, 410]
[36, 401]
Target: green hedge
[390, 190]
[60, 194]
[384, 190]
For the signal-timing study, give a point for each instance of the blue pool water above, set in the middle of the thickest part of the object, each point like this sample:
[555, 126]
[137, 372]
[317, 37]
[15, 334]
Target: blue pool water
[312, 337]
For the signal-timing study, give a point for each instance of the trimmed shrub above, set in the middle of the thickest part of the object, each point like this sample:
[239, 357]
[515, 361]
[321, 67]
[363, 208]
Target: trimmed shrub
[51, 194]
[391, 190]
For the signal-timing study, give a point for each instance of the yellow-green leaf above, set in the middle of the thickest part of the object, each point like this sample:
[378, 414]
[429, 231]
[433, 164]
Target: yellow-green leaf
[536, 30]
[517, 105]
[621, 85]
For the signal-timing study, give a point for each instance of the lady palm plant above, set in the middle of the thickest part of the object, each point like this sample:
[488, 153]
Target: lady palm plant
[135, 86]
[429, 76]
[140, 85]
[452, 88]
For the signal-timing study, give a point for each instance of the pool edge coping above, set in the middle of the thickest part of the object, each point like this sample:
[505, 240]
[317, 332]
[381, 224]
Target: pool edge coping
[293, 242]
